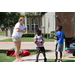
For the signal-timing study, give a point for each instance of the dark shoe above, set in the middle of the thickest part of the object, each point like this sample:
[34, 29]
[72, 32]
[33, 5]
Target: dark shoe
[45, 60]
[56, 60]
[60, 60]
[36, 61]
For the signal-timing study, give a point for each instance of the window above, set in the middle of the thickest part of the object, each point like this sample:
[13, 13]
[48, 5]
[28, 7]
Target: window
[32, 21]
[27, 21]
[28, 24]
[36, 24]
[36, 20]
[32, 27]
[36, 27]
[28, 27]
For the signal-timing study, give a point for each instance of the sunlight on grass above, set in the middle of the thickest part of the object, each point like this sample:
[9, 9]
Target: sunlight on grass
[27, 39]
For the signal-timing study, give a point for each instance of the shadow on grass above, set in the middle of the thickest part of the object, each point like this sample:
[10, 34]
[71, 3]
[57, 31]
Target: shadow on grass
[3, 51]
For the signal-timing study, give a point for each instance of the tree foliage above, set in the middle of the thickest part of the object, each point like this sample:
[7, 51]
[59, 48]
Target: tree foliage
[11, 19]
[2, 17]
[31, 14]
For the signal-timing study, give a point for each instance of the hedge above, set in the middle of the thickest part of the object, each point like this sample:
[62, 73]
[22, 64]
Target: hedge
[28, 35]
[52, 31]
[32, 35]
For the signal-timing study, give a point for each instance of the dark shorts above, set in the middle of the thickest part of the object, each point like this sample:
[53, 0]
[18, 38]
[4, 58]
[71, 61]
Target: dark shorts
[42, 49]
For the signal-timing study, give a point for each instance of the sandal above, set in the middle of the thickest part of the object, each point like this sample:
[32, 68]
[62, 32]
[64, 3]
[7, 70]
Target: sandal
[19, 59]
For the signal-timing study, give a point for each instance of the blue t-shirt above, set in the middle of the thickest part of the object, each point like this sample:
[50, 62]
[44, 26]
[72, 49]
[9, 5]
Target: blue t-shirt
[60, 36]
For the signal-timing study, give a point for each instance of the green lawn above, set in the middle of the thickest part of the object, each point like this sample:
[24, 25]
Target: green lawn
[5, 58]
[3, 33]
[27, 39]
[63, 60]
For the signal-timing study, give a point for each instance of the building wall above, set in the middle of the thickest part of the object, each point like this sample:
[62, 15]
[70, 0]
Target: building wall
[66, 19]
[51, 16]
[43, 22]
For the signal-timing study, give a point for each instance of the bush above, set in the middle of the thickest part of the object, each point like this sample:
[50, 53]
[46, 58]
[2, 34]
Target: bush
[52, 32]
[28, 35]
[32, 35]
[45, 34]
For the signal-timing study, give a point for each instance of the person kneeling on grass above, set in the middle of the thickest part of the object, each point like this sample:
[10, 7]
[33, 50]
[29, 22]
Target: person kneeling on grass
[39, 45]
[59, 44]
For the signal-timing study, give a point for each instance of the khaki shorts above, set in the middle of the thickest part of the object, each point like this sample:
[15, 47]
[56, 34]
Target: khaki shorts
[59, 47]
[16, 39]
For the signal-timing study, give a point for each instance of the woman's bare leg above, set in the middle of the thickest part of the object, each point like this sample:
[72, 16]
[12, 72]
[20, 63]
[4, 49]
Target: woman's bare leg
[17, 47]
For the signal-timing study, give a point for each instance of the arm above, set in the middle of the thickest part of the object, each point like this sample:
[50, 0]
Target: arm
[18, 30]
[55, 37]
[42, 40]
[64, 37]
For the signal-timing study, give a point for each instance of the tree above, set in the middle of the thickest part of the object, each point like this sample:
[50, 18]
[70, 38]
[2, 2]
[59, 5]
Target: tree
[31, 14]
[11, 19]
[2, 17]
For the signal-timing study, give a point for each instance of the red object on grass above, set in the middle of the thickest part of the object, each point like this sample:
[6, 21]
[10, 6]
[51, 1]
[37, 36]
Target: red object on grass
[11, 52]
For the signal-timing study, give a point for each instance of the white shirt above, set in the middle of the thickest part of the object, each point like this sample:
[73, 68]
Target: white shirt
[18, 34]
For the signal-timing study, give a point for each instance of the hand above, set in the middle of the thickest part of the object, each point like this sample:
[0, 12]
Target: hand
[42, 41]
[24, 30]
[55, 38]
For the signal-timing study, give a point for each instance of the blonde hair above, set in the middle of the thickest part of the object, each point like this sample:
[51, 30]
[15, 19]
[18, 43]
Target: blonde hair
[20, 19]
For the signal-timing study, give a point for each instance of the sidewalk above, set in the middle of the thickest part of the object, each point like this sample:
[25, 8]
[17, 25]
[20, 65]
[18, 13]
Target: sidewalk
[26, 45]
[3, 37]
[32, 58]
[49, 55]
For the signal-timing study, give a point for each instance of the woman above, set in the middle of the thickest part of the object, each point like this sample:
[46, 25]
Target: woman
[19, 29]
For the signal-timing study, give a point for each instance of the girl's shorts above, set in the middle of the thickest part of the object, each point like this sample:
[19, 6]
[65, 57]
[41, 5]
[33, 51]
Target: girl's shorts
[16, 39]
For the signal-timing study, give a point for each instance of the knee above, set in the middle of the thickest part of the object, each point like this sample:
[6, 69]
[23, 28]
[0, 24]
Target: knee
[56, 52]
[38, 53]
[19, 47]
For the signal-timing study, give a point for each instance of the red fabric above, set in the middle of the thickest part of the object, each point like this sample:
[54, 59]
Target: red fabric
[25, 53]
[11, 52]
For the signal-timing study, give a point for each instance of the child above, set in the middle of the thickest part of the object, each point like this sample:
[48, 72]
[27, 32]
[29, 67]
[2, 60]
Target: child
[59, 44]
[39, 45]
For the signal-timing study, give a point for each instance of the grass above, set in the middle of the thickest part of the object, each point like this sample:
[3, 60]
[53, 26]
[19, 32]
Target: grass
[3, 33]
[5, 58]
[28, 39]
[63, 60]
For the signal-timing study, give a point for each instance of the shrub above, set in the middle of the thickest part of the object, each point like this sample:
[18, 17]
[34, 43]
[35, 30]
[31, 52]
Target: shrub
[32, 35]
[52, 32]
[28, 35]
[45, 34]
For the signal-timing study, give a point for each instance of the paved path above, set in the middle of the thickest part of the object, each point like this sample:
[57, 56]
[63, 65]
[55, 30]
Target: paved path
[50, 55]
[26, 45]
[32, 58]
[3, 37]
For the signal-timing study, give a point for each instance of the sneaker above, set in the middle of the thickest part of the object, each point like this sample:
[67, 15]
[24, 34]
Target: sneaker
[60, 60]
[36, 61]
[56, 60]
[45, 60]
